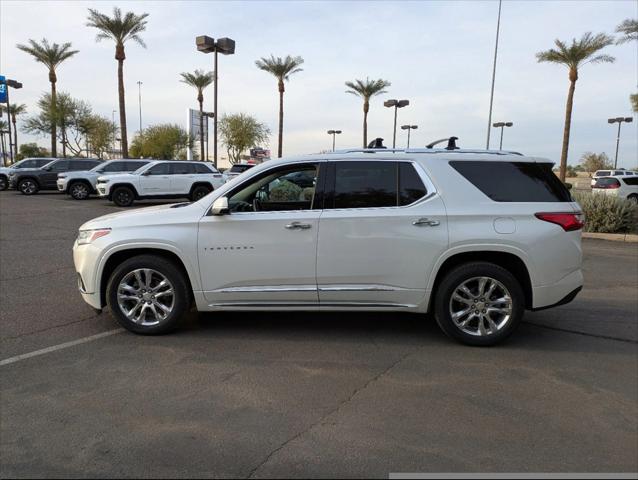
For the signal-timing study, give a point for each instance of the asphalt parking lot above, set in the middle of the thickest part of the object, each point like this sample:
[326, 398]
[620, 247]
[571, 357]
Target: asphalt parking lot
[320, 395]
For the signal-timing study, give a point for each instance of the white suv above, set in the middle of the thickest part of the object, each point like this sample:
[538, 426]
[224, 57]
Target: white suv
[81, 184]
[621, 186]
[161, 179]
[414, 231]
[609, 173]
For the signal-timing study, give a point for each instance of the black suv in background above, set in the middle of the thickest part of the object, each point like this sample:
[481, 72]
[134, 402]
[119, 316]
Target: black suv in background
[31, 180]
[26, 163]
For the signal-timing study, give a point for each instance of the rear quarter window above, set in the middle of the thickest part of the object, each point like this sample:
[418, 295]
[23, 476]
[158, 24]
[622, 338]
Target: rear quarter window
[631, 180]
[514, 181]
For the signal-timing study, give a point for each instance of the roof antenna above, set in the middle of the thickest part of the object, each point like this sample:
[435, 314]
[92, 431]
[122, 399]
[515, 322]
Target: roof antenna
[451, 143]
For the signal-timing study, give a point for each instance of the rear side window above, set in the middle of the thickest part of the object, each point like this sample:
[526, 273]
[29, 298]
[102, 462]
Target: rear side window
[60, 166]
[201, 168]
[365, 184]
[411, 187]
[159, 169]
[178, 168]
[113, 167]
[631, 180]
[514, 181]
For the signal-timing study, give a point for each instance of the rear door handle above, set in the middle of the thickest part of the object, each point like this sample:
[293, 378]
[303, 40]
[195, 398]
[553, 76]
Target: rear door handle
[425, 222]
[298, 226]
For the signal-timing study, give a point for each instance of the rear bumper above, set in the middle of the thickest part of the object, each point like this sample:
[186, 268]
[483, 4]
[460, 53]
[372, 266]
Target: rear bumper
[559, 293]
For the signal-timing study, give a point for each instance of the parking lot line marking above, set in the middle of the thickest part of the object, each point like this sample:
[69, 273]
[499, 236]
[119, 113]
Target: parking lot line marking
[61, 346]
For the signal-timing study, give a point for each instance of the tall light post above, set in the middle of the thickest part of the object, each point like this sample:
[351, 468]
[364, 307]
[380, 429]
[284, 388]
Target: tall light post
[617, 120]
[207, 115]
[225, 46]
[13, 84]
[139, 102]
[489, 119]
[396, 104]
[502, 126]
[408, 128]
[333, 133]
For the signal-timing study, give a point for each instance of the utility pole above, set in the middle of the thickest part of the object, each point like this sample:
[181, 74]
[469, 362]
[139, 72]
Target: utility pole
[489, 119]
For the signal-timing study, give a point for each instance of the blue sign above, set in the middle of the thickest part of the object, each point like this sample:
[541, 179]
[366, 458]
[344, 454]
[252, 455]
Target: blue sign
[3, 90]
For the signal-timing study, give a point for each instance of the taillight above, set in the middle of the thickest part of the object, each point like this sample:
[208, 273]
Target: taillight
[569, 221]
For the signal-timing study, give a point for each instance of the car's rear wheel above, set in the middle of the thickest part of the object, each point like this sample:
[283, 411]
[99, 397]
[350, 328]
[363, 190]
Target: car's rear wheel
[479, 303]
[4, 182]
[28, 186]
[199, 191]
[148, 295]
[633, 198]
[123, 196]
[79, 191]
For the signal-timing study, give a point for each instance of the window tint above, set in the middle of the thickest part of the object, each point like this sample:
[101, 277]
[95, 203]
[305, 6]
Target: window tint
[606, 182]
[201, 168]
[631, 180]
[159, 169]
[514, 181]
[603, 173]
[31, 164]
[60, 166]
[365, 184]
[182, 168]
[411, 187]
[132, 166]
[281, 190]
[113, 167]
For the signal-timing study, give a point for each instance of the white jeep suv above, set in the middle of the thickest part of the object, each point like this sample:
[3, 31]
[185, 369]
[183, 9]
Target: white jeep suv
[81, 184]
[161, 179]
[414, 231]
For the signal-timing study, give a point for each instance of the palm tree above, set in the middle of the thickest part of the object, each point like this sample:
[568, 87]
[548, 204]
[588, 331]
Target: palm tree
[200, 80]
[120, 29]
[574, 56]
[13, 111]
[282, 69]
[366, 90]
[51, 56]
[629, 31]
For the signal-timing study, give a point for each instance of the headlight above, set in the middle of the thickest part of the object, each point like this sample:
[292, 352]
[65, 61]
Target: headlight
[61, 175]
[102, 180]
[88, 236]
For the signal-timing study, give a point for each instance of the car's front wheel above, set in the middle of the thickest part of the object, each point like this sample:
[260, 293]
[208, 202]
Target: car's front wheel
[28, 186]
[4, 182]
[79, 191]
[123, 196]
[148, 294]
[479, 303]
[199, 191]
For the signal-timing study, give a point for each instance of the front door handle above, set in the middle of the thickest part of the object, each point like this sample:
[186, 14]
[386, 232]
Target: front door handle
[425, 222]
[298, 226]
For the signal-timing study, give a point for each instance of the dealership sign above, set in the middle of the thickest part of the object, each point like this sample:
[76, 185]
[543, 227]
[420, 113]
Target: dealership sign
[3, 89]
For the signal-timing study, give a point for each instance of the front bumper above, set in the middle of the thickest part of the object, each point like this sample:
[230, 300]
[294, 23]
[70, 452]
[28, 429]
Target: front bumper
[61, 185]
[102, 191]
[12, 183]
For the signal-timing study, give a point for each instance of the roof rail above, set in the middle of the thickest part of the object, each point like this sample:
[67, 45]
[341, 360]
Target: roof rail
[423, 150]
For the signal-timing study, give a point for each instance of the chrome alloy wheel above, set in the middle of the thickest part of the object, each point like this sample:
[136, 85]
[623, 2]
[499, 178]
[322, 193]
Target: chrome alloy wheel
[481, 306]
[28, 187]
[145, 296]
[79, 191]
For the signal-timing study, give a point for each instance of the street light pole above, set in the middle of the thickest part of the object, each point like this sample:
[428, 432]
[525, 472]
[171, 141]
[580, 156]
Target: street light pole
[396, 104]
[13, 84]
[408, 128]
[333, 133]
[226, 46]
[489, 119]
[618, 120]
[139, 100]
[502, 126]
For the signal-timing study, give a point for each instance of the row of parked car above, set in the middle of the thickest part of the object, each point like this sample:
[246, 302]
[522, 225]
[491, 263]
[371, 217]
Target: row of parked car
[618, 183]
[121, 181]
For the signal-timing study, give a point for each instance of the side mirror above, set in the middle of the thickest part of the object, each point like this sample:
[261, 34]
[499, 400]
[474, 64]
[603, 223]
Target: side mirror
[48, 169]
[220, 206]
[146, 173]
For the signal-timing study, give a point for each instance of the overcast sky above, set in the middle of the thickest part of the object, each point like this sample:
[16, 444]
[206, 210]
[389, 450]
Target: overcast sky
[436, 54]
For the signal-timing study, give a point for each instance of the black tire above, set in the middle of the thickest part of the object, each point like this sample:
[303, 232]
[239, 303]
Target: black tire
[181, 299]
[4, 182]
[633, 198]
[28, 186]
[470, 272]
[199, 191]
[79, 190]
[123, 196]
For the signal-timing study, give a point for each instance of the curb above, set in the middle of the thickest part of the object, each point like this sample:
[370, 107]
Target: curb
[614, 237]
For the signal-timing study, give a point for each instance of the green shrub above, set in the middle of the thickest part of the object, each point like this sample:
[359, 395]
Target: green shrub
[607, 214]
[285, 192]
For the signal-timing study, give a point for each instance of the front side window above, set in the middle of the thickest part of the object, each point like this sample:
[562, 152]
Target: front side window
[111, 167]
[285, 189]
[159, 169]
